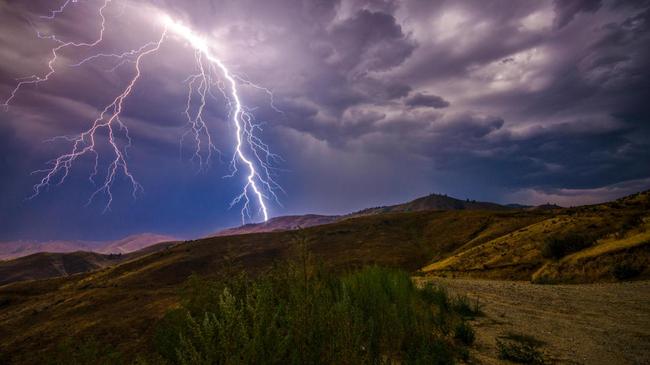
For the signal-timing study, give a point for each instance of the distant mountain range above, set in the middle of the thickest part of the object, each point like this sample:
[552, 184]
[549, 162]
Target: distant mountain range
[14, 249]
[283, 223]
[434, 202]
[429, 202]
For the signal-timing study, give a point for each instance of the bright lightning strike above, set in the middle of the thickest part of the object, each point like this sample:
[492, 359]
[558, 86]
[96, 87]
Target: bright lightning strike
[250, 151]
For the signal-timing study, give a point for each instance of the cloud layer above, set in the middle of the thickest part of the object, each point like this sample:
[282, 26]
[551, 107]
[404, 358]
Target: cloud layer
[382, 101]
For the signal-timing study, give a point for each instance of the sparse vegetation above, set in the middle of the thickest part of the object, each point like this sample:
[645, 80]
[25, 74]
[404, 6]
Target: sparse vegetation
[83, 352]
[464, 333]
[558, 246]
[543, 280]
[625, 271]
[4, 301]
[521, 349]
[464, 306]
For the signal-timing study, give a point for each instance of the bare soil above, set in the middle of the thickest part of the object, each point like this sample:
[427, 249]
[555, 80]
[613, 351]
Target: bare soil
[605, 323]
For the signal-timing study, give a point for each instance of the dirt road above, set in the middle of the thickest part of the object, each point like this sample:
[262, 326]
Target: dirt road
[578, 324]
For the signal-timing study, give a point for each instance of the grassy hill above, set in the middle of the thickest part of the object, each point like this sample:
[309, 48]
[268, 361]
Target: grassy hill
[15, 249]
[429, 202]
[434, 202]
[283, 223]
[604, 242]
[45, 265]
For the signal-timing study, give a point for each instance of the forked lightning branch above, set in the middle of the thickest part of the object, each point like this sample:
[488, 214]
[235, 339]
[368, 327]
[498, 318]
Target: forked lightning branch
[252, 158]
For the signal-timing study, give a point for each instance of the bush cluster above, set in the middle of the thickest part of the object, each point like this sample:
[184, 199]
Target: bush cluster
[297, 315]
[557, 247]
[519, 352]
[625, 271]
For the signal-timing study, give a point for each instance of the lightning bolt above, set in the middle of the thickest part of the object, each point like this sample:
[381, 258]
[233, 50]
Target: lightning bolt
[250, 152]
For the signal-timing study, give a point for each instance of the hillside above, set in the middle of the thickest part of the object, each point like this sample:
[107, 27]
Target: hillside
[14, 249]
[134, 243]
[430, 202]
[44, 265]
[434, 202]
[602, 242]
[283, 223]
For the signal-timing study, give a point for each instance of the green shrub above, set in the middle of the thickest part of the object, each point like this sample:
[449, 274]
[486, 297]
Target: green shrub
[544, 280]
[464, 333]
[83, 352]
[625, 271]
[4, 301]
[466, 308]
[299, 315]
[437, 296]
[523, 352]
[559, 246]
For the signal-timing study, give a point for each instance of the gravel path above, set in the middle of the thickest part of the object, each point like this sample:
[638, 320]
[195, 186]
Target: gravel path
[579, 324]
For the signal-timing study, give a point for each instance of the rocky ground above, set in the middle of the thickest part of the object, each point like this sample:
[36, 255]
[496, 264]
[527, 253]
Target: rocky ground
[572, 324]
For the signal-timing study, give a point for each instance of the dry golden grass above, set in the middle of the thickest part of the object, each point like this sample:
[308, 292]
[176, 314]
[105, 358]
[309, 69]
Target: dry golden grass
[626, 251]
[621, 230]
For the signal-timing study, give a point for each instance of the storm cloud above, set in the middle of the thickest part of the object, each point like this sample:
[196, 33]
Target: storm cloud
[432, 101]
[381, 101]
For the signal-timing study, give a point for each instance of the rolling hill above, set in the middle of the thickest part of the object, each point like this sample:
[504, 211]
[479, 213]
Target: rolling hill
[14, 249]
[283, 223]
[44, 265]
[429, 202]
[601, 243]
[434, 202]
[134, 243]
[48, 264]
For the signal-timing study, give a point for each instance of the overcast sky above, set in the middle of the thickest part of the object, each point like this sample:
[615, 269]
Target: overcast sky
[382, 101]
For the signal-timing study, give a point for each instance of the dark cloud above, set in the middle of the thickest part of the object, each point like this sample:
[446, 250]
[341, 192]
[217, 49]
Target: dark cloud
[549, 100]
[566, 10]
[369, 41]
[432, 101]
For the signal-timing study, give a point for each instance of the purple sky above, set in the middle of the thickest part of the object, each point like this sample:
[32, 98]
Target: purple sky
[383, 101]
